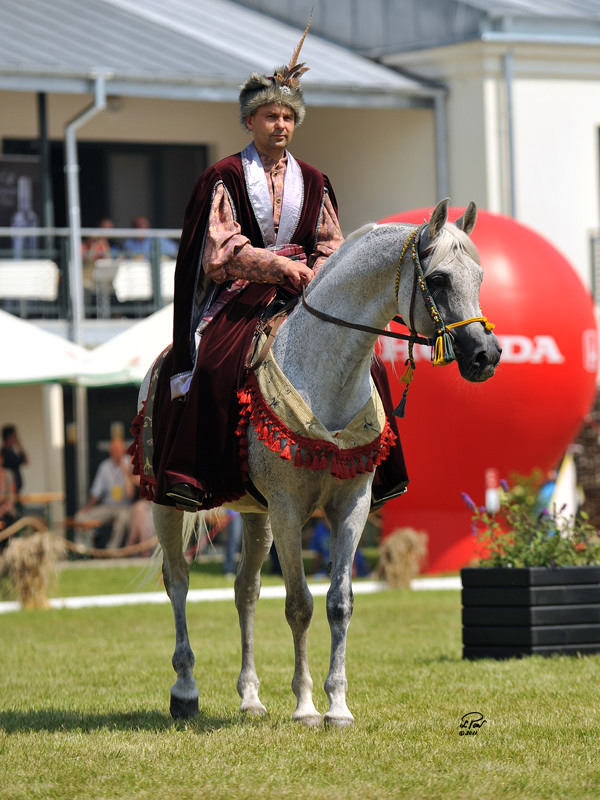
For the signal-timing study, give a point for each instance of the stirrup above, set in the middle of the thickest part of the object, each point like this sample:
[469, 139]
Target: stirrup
[379, 502]
[186, 497]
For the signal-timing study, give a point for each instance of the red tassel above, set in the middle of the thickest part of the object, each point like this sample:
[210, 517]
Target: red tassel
[360, 467]
[370, 466]
[285, 453]
[323, 463]
[276, 448]
[270, 440]
[263, 434]
[298, 460]
[352, 469]
[315, 462]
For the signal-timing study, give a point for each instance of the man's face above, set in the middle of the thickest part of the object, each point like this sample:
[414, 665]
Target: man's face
[116, 450]
[272, 129]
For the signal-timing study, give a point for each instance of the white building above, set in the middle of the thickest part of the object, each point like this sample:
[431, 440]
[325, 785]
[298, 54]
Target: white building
[408, 101]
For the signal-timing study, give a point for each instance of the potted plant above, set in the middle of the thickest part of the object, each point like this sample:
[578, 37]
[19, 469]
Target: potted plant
[537, 587]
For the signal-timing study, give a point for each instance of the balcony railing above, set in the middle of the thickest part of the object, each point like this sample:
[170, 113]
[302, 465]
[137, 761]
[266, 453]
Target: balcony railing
[124, 283]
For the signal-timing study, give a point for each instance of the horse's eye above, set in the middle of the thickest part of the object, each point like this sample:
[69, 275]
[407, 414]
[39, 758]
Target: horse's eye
[437, 281]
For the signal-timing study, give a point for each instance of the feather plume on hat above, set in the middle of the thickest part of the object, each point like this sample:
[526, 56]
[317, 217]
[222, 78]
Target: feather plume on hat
[281, 87]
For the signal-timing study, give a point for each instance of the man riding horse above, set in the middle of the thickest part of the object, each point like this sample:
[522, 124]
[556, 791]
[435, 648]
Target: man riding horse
[257, 228]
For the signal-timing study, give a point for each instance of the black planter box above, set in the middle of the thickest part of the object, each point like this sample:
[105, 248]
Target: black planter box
[530, 611]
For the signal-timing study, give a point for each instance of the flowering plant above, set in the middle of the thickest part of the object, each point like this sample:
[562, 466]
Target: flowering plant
[520, 534]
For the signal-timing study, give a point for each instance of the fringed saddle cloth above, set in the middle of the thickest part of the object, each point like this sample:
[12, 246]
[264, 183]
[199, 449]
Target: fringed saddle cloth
[287, 426]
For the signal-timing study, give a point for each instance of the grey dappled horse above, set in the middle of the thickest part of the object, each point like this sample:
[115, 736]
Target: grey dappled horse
[329, 366]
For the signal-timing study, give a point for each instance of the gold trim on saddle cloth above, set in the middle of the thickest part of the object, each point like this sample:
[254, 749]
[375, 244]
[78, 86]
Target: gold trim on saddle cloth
[286, 424]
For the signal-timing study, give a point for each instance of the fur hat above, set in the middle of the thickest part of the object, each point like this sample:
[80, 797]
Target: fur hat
[281, 87]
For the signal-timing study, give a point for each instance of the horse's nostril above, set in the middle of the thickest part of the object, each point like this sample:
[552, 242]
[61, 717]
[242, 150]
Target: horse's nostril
[480, 359]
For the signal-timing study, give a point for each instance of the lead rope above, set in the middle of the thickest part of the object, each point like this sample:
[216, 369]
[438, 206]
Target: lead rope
[443, 352]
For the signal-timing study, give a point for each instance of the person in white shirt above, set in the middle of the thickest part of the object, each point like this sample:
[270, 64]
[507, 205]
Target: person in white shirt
[111, 497]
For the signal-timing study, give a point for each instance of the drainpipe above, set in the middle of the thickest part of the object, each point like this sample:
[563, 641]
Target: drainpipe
[441, 145]
[508, 69]
[76, 273]
[72, 176]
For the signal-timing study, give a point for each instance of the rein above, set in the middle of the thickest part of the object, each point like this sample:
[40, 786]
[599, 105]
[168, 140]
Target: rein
[443, 352]
[413, 337]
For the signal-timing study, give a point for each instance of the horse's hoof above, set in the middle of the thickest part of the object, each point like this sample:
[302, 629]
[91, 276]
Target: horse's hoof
[311, 720]
[338, 722]
[257, 710]
[183, 709]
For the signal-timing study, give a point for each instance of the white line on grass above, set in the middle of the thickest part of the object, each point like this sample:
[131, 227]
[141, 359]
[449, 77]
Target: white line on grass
[212, 595]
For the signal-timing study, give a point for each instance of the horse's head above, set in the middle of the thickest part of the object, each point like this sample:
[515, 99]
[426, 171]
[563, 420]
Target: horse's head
[453, 276]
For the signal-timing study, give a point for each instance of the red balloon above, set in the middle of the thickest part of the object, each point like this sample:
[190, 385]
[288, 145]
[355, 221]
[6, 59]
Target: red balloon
[521, 419]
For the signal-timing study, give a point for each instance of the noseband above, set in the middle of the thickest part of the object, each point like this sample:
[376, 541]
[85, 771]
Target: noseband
[443, 352]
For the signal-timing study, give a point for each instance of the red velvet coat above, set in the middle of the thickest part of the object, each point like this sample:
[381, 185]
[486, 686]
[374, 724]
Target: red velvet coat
[194, 437]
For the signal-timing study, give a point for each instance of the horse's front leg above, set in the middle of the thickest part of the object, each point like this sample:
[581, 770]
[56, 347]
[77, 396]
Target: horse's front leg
[346, 530]
[298, 612]
[168, 522]
[256, 544]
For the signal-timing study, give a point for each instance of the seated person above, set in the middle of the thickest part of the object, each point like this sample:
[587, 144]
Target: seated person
[141, 523]
[95, 247]
[111, 497]
[141, 246]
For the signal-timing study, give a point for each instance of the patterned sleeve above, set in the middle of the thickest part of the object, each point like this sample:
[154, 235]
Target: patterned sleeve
[329, 236]
[228, 254]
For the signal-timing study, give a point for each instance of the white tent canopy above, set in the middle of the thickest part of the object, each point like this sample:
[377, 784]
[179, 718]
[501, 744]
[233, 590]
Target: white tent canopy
[128, 356]
[32, 355]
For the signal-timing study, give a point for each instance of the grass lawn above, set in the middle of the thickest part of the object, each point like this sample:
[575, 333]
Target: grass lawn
[85, 693]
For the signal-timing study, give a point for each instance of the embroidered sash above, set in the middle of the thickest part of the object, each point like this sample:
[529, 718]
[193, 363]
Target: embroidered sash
[260, 199]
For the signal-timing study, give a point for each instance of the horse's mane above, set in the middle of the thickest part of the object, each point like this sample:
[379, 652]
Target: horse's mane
[451, 238]
[447, 239]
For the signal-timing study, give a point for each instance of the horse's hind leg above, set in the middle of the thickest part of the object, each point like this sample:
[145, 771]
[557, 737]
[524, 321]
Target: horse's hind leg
[256, 544]
[169, 526]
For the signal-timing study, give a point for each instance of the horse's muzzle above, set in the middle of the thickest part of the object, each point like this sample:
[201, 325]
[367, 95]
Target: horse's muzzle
[480, 363]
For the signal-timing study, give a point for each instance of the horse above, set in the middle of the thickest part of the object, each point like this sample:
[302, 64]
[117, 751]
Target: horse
[368, 281]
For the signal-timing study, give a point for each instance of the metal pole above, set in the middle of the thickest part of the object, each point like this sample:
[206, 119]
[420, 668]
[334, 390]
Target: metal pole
[72, 176]
[441, 145]
[508, 63]
[75, 271]
[47, 204]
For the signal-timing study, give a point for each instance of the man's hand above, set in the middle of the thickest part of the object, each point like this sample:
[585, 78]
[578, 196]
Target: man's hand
[299, 274]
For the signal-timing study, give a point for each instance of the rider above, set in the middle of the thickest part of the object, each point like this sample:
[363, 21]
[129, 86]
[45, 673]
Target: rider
[258, 224]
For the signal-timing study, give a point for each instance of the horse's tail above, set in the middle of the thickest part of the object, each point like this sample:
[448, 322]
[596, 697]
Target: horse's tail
[194, 527]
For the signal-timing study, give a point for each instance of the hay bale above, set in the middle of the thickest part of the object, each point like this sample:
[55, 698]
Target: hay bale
[401, 555]
[30, 562]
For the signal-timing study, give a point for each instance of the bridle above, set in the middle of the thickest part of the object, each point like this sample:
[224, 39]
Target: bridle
[443, 352]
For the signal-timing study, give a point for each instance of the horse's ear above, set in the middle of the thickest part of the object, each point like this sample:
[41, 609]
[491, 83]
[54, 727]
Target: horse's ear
[467, 222]
[439, 217]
